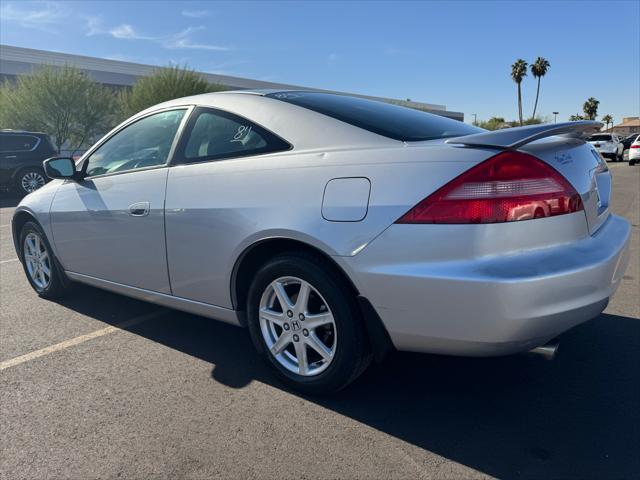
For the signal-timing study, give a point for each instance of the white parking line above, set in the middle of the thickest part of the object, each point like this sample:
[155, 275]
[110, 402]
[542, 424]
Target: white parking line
[77, 340]
[11, 260]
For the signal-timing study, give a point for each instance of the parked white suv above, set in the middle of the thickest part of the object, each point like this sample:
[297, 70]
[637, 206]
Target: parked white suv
[609, 145]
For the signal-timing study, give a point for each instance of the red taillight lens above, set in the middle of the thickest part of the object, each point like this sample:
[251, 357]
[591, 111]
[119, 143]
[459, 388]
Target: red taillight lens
[509, 187]
[635, 146]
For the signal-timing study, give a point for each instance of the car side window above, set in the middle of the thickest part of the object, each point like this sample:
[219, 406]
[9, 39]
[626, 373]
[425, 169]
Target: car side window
[214, 134]
[18, 143]
[142, 144]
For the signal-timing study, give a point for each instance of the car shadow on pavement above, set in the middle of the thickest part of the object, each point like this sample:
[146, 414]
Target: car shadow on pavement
[518, 416]
[8, 200]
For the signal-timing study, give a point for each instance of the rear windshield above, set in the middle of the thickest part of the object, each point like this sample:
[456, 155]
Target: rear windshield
[599, 138]
[393, 121]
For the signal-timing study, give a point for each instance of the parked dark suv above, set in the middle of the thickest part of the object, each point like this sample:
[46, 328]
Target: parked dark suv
[21, 156]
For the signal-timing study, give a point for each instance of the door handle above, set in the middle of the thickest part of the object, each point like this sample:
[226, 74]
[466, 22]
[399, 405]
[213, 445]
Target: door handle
[140, 209]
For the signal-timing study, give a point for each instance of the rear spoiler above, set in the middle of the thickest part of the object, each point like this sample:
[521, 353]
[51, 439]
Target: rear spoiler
[513, 138]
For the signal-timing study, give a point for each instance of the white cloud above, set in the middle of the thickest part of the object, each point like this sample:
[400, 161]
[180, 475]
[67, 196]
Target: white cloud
[195, 13]
[182, 40]
[127, 32]
[39, 15]
[93, 26]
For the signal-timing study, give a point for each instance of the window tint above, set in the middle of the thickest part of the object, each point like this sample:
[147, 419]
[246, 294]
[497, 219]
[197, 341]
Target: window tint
[17, 143]
[214, 134]
[599, 138]
[145, 143]
[393, 121]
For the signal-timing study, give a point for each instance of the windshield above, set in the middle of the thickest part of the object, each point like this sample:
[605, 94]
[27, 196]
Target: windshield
[393, 121]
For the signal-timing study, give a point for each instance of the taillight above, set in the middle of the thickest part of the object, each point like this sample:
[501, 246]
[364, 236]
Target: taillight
[509, 187]
[635, 146]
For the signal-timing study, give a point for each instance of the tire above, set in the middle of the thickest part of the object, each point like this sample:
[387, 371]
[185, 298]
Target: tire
[52, 285]
[347, 352]
[29, 180]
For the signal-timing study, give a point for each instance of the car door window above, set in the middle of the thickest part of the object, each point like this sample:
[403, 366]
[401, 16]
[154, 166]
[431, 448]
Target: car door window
[18, 143]
[214, 134]
[142, 144]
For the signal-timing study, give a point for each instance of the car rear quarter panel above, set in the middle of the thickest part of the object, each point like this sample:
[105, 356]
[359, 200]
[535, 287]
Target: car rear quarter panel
[216, 210]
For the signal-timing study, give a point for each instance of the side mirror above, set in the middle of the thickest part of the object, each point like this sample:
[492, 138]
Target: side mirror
[60, 168]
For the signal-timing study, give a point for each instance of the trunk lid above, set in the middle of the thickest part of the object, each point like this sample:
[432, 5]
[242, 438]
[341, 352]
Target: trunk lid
[584, 168]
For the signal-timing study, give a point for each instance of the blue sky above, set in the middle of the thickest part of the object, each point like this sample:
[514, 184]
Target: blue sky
[454, 53]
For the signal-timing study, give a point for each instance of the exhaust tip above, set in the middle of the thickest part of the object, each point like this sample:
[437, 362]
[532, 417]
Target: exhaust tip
[547, 351]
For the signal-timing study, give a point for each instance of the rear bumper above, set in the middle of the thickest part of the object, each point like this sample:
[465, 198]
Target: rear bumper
[493, 305]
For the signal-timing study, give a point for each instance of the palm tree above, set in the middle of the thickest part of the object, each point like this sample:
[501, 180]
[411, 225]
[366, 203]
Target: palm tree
[538, 70]
[590, 108]
[518, 72]
[607, 119]
[575, 118]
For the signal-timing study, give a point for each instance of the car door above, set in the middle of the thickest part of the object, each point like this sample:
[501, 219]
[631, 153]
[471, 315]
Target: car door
[110, 224]
[207, 196]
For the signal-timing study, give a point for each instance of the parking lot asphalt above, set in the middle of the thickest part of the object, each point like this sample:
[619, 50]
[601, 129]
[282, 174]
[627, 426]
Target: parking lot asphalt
[102, 386]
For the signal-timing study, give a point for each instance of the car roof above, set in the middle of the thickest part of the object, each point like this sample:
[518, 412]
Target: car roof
[299, 126]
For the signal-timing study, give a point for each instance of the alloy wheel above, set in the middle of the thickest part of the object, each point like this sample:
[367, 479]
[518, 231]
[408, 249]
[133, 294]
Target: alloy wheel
[31, 181]
[37, 260]
[297, 326]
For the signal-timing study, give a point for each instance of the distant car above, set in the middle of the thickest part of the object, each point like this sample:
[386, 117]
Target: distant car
[608, 145]
[634, 150]
[627, 141]
[21, 157]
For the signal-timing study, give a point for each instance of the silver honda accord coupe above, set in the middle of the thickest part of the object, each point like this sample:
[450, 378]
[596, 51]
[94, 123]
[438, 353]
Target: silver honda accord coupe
[335, 228]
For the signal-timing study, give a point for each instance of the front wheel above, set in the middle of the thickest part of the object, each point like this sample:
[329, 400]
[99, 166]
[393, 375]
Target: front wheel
[43, 271]
[305, 322]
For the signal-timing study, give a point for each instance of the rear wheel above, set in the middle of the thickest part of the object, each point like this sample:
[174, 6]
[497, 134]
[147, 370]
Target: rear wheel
[305, 322]
[29, 180]
[43, 271]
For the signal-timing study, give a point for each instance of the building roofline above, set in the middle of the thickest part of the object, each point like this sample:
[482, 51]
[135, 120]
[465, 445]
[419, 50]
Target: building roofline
[128, 71]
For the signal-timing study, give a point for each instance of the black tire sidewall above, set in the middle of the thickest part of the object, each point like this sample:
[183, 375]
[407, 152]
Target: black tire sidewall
[350, 347]
[56, 285]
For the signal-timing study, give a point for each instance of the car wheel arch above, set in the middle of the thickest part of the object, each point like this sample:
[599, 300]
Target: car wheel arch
[19, 219]
[259, 252]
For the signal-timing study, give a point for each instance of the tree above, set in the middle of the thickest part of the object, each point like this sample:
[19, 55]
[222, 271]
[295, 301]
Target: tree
[62, 102]
[538, 70]
[494, 123]
[590, 108]
[163, 85]
[518, 72]
[575, 118]
[607, 119]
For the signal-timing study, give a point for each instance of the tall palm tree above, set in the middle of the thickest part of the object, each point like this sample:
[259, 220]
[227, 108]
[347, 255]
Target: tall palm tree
[575, 118]
[590, 108]
[538, 70]
[518, 72]
[607, 119]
